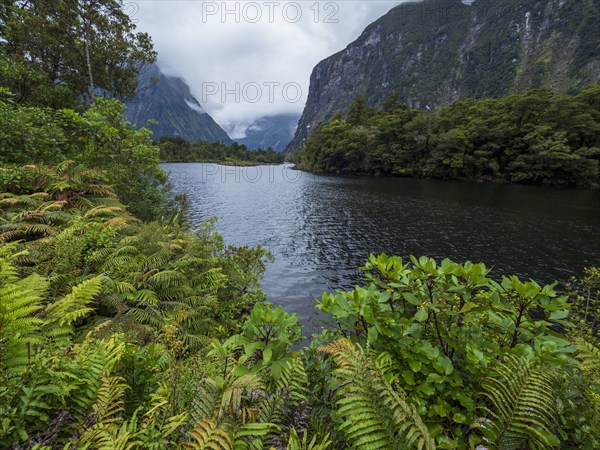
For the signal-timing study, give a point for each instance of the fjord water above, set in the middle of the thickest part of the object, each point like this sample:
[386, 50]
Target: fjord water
[321, 228]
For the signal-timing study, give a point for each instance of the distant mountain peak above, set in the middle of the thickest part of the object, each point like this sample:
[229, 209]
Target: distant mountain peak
[274, 132]
[168, 100]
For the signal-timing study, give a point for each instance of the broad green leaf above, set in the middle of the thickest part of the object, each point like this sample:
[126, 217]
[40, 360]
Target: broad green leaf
[421, 314]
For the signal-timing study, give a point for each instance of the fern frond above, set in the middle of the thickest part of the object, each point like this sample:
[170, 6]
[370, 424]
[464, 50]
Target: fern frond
[362, 391]
[52, 206]
[166, 279]
[295, 443]
[109, 399]
[145, 297]
[116, 262]
[19, 328]
[126, 249]
[194, 341]
[147, 316]
[235, 387]
[73, 306]
[210, 280]
[522, 397]
[209, 435]
[100, 254]
[272, 409]
[294, 377]
[254, 435]
[106, 431]
[118, 222]
[589, 354]
[7, 199]
[102, 210]
[159, 402]
[405, 418]
[219, 399]
[207, 400]
[156, 260]
[121, 287]
[109, 437]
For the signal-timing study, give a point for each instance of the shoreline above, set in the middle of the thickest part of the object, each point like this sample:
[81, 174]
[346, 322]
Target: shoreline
[591, 187]
[227, 163]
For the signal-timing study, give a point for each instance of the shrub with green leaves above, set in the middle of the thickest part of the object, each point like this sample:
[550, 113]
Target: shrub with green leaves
[440, 329]
[100, 138]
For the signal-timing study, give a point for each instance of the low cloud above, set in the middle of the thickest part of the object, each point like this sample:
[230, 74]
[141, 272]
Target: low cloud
[194, 106]
[246, 60]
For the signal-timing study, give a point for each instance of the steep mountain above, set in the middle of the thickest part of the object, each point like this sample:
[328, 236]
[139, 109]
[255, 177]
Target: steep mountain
[438, 51]
[275, 132]
[168, 101]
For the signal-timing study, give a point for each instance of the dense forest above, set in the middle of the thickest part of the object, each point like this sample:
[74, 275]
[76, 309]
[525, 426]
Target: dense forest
[122, 326]
[177, 149]
[536, 138]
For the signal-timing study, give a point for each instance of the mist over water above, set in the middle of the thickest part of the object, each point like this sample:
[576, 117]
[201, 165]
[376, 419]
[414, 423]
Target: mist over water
[321, 228]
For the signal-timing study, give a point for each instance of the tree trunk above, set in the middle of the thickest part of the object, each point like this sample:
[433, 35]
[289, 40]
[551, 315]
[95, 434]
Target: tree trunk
[89, 67]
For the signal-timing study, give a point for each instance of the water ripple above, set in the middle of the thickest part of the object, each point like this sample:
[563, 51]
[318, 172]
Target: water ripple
[321, 228]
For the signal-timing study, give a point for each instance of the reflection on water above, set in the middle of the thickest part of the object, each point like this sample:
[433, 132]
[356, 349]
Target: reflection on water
[321, 228]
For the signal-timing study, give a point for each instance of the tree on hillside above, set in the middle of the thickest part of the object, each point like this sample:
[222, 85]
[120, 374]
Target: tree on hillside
[77, 47]
[359, 111]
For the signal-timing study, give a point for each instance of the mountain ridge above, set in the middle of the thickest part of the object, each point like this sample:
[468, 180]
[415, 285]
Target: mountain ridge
[438, 51]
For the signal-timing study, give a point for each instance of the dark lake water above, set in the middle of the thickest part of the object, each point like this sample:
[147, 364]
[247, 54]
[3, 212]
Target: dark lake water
[320, 228]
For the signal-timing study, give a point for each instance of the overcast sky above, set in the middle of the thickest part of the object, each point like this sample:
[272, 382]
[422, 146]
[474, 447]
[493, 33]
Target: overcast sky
[245, 60]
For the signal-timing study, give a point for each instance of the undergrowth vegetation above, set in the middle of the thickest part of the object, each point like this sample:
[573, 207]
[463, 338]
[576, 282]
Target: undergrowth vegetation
[118, 333]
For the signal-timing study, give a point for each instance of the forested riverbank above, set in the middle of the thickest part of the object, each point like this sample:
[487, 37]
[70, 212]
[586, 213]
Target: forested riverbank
[537, 138]
[176, 149]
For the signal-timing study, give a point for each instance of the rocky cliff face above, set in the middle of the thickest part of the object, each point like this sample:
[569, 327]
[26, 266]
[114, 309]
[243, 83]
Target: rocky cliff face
[168, 101]
[438, 51]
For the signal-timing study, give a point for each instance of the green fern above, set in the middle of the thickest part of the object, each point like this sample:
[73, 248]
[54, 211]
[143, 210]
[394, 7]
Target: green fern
[253, 436]
[295, 443]
[209, 280]
[159, 429]
[208, 434]
[294, 378]
[90, 360]
[222, 396]
[106, 417]
[104, 210]
[589, 354]
[156, 430]
[166, 279]
[157, 260]
[522, 405]
[272, 408]
[19, 327]
[252, 416]
[361, 393]
[60, 315]
[109, 400]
